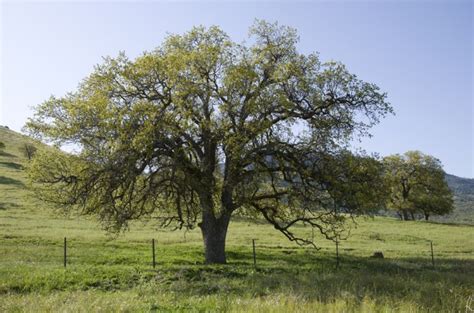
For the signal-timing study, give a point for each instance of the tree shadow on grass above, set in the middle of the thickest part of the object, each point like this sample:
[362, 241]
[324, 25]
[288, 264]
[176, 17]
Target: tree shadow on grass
[306, 275]
[411, 280]
[8, 205]
[10, 181]
[12, 165]
[6, 154]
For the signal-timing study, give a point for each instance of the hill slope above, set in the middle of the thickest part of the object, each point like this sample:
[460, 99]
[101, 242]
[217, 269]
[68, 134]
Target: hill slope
[13, 191]
[463, 189]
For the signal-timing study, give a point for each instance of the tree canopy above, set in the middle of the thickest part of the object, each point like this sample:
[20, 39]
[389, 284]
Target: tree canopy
[203, 128]
[417, 185]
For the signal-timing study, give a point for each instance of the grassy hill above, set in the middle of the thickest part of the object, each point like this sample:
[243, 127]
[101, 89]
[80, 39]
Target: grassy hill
[13, 193]
[115, 274]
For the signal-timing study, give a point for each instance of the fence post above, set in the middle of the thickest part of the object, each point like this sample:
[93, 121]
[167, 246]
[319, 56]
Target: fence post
[65, 252]
[254, 254]
[153, 251]
[432, 254]
[337, 253]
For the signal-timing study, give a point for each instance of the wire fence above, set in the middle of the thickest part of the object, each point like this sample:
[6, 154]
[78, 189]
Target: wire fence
[149, 255]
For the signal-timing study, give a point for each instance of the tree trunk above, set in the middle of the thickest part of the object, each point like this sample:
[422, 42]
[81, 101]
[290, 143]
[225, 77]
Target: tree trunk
[405, 215]
[214, 232]
[427, 216]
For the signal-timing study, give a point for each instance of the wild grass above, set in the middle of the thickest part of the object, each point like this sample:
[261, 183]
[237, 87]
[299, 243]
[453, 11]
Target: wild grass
[107, 274]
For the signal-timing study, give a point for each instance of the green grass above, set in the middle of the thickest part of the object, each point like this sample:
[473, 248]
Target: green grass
[115, 274]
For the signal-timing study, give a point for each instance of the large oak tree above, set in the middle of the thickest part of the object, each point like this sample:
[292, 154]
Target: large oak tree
[203, 128]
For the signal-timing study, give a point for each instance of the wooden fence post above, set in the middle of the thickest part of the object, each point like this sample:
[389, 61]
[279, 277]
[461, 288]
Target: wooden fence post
[432, 254]
[254, 254]
[153, 252]
[65, 252]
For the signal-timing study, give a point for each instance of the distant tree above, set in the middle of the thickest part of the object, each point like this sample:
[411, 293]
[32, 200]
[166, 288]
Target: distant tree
[201, 129]
[2, 145]
[417, 185]
[28, 150]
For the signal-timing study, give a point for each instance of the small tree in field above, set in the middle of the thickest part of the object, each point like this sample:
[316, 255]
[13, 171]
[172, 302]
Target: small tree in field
[203, 128]
[417, 185]
[28, 150]
[2, 145]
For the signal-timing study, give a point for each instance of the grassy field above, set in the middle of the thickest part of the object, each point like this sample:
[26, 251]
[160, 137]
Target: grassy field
[115, 274]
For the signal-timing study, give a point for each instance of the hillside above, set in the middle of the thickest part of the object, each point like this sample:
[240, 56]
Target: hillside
[463, 189]
[13, 191]
[13, 181]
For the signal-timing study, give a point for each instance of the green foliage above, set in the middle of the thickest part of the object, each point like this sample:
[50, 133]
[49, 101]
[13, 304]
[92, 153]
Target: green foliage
[417, 185]
[2, 145]
[201, 128]
[356, 182]
[12, 167]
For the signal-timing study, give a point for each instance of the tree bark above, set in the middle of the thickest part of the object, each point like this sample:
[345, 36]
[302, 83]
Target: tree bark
[214, 232]
[427, 216]
[405, 215]
[214, 228]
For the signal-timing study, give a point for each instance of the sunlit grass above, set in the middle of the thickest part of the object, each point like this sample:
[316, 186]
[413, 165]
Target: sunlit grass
[107, 274]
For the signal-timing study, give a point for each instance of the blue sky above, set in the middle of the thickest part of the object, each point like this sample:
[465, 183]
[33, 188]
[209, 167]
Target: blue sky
[419, 52]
